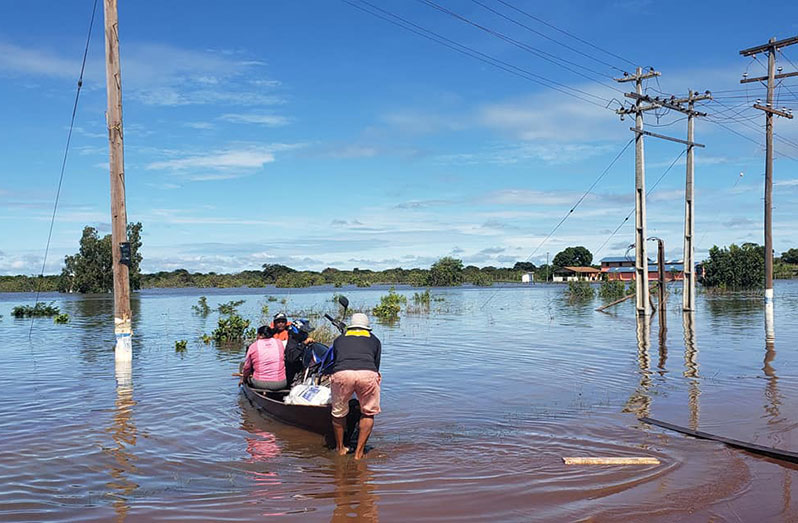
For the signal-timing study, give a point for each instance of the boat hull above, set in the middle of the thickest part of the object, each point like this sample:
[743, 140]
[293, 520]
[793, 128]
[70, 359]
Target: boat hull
[314, 418]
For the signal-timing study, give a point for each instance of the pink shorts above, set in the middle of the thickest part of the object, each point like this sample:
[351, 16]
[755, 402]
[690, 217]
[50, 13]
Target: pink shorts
[364, 383]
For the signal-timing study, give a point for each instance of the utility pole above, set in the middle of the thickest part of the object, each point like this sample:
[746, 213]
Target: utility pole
[688, 258]
[641, 260]
[547, 267]
[675, 104]
[771, 47]
[120, 248]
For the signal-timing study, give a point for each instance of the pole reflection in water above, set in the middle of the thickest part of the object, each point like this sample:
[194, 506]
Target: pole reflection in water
[772, 395]
[691, 368]
[354, 492]
[123, 432]
[639, 402]
[663, 339]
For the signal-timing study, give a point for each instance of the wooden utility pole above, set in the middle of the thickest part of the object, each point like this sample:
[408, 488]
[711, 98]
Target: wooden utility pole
[661, 273]
[641, 259]
[120, 248]
[771, 47]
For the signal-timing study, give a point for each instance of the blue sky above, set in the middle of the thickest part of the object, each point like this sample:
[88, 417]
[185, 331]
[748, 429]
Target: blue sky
[314, 134]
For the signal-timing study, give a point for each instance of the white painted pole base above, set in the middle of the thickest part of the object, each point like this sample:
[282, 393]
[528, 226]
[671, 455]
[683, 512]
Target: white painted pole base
[123, 351]
[124, 372]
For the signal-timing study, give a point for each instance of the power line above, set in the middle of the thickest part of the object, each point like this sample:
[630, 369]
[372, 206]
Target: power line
[563, 31]
[521, 45]
[473, 53]
[654, 186]
[547, 37]
[64, 161]
[573, 208]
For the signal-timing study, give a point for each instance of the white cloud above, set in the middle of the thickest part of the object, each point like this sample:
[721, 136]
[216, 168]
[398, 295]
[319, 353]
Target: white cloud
[246, 158]
[269, 120]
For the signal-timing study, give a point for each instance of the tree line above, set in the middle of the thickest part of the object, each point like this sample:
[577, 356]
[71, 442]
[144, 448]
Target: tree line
[89, 271]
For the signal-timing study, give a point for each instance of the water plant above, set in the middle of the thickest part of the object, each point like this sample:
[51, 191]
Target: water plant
[271, 298]
[422, 298]
[230, 307]
[181, 345]
[232, 328]
[612, 290]
[201, 307]
[390, 305]
[578, 291]
[40, 309]
[61, 318]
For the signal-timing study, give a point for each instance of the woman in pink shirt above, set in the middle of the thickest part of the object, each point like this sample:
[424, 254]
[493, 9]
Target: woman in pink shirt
[264, 366]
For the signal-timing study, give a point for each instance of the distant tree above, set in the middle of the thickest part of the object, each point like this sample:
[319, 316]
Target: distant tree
[90, 269]
[524, 266]
[273, 271]
[736, 267]
[790, 256]
[573, 257]
[446, 272]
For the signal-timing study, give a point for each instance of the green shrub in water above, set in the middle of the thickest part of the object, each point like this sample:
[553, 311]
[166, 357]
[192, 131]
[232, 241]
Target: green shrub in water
[61, 318]
[611, 290]
[201, 307]
[579, 291]
[230, 307]
[390, 305]
[232, 328]
[181, 345]
[40, 309]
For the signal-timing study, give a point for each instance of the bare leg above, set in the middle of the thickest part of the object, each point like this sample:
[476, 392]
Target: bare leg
[339, 425]
[366, 424]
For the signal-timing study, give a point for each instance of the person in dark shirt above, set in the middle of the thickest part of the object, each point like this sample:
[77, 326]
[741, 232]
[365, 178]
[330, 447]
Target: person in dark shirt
[356, 370]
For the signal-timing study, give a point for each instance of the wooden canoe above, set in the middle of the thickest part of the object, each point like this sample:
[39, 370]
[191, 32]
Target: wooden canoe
[315, 418]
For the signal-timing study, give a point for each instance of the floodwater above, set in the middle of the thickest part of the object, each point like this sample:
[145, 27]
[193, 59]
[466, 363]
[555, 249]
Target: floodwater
[482, 398]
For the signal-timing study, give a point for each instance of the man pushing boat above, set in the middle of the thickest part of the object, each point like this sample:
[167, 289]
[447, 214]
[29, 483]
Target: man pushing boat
[356, 370]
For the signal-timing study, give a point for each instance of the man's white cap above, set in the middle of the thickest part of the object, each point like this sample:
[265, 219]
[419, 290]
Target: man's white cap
[359, 321]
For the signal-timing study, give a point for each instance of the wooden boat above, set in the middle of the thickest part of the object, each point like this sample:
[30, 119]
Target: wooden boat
[315, 418]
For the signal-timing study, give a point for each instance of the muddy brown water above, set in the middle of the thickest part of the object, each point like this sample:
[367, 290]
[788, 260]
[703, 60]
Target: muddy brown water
[482, 398]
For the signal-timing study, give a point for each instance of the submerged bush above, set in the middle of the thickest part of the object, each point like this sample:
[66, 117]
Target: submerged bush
[390, 305]
[181, 345]
[612, 290]
[201, 307]
[61, 318]
[40, 309]
[232, 328]
[230, 307]
[579, 291]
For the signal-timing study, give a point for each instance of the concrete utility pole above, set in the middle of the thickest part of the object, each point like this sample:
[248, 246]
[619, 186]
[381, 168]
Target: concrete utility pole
[771, 47]
[688, 258]
[675, 104]
[641, 260]
[120, 248]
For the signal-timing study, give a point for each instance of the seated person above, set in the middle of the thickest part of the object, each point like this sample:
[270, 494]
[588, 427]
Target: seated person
[264, 366]
[279, 327]
[298, 339]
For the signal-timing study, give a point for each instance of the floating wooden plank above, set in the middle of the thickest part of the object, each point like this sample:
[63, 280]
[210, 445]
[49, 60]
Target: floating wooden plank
[784, 455]
[611, 461]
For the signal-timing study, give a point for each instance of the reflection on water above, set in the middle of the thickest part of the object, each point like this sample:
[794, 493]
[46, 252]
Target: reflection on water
[355, 497]
[639, 402]
[691, 368]
[470, 430]
[123, 433]
[772, 396]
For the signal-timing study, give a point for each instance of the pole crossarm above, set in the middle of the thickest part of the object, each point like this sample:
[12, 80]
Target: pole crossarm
[664, 103]
[772, 44]
[773, 111]
[662, 136]
[764, 78]
[639, 76]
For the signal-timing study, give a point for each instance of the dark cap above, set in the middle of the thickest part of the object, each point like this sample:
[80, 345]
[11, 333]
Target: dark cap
[280, 317]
